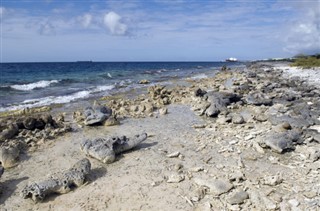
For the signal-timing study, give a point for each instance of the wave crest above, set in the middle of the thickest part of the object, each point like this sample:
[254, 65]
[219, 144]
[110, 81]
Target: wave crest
[31, 86]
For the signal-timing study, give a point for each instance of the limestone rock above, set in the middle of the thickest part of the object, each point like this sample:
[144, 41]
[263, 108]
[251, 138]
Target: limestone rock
[175, 178]
[9, 133]
[280, 142]
[96, 115]
[60, 182]
[9, 156]
[106, 150]
[216, 186]
[238, 197]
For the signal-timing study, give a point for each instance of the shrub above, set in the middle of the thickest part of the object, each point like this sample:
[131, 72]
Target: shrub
[307, 61]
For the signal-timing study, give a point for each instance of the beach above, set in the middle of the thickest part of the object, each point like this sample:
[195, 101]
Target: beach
[243, 138]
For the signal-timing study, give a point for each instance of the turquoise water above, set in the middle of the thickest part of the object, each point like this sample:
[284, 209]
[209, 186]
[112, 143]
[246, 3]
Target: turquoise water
[38, 84]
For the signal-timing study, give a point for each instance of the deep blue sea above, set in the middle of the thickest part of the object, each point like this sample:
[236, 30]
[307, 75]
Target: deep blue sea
[38, 84]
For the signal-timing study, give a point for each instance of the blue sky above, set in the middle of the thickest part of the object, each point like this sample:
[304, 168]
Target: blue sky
[157, 30]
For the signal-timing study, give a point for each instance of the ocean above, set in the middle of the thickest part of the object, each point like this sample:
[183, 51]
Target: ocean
[40, 84]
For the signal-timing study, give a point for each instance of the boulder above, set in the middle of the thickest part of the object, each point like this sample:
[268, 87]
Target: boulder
[144, 81]
[97, 115]
[9, 156]
[282, 141]
[216, 186]
[106, 150]
[219, 102]
[258, 98]
[9, 133]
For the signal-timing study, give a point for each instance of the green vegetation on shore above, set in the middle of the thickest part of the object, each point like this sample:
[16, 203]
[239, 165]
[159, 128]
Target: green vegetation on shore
[307, 61]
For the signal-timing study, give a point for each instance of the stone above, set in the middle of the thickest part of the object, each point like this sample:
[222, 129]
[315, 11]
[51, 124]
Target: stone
[9, 133]
[9, 156]
[175, 178]
[111, 121]
[163, 111]
[216, 186]
[257, 98]
[219, 102]
[29, 123]
[1, 170]
[106, 149]
[238, 197]
[294, 202]
[272, 180]
[314, 155]
[199, 92]
[96, 115]
[174, 154]
[60, 182]
[237, 119]
[280, 142]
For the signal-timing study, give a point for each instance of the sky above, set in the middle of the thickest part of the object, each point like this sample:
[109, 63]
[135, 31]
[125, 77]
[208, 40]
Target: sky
[157, 30]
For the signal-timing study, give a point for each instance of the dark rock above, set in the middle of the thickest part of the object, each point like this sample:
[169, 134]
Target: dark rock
[47, 119]
[1, 170]
[219, 102]
[29, 123]
[9, 133]
[257, 98]
[39, 124]
[199, 92]
[297, 122]
[282, 141]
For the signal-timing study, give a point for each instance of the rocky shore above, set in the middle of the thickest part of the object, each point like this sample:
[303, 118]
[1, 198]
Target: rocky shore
[246, 139]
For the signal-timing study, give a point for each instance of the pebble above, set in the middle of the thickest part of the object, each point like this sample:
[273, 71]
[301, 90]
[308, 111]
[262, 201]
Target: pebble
[216, 186]
[294, 202]
[175, 178]
[197, 169]
[272, 180]
[238, 197]
[174, 154]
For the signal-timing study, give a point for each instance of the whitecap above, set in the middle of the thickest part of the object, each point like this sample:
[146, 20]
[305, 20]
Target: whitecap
[57, 99]
[31, 86]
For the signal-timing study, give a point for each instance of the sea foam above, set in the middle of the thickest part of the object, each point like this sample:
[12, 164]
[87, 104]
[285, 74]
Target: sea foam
[31, 86]
[44, 101]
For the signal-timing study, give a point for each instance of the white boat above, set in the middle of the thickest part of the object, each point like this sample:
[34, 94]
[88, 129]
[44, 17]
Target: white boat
[231, 59]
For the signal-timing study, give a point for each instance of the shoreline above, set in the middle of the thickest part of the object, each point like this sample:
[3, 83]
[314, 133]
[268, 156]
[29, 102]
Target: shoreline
[241, 140]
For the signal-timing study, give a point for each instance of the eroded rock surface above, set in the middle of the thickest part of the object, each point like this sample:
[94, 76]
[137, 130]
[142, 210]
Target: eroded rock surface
[106, 149]
[60, 182]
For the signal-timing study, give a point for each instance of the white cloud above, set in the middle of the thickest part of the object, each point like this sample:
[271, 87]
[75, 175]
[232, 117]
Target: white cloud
[47, 29]
[304, 33]
[113, 22]
[86, 20]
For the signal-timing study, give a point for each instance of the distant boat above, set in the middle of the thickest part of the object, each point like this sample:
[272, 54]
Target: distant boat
[231, 59]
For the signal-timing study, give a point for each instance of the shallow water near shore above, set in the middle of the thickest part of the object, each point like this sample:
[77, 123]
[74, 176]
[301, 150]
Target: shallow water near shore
[39, 84]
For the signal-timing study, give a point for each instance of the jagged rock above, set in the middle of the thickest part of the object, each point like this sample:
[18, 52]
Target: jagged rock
[199, 92]
[9, 133]
[257, 98]
[216, 186]
[9, 156]
[106, 150]
[29, 123]
[238, 197]
[219, 102]
[314, 155]
[282, 141]
[60, 182]
[96, 115]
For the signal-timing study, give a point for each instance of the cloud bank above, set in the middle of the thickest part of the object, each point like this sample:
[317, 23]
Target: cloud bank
[113, 22]
[304, 34]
